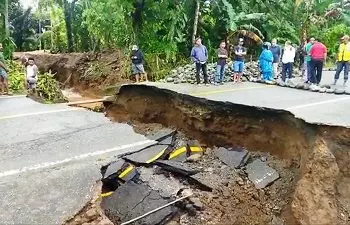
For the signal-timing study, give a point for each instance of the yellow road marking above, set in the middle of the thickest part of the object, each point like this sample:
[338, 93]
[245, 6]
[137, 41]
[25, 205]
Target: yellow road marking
[126, 171]
[156, 156]
[204, 93]
[38, 113]
[177, 152]
[106, 194]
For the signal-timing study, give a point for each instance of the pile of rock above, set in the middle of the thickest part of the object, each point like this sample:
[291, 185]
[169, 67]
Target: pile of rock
[155, 176]
[187, 73]
[298, 83]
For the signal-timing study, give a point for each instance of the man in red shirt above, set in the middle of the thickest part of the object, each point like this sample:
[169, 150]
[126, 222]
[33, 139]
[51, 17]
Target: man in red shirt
[318, 55]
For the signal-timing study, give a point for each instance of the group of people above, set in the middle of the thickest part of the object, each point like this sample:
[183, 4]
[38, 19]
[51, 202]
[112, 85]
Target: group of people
[30, 73]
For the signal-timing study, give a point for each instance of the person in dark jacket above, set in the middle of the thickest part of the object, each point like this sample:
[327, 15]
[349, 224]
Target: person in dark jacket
[137, 68]
[276, 52]
[199, 55]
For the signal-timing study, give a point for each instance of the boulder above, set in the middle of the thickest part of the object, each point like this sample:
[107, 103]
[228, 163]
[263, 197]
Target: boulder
[170, 79]
[339, 91]
[261, 174]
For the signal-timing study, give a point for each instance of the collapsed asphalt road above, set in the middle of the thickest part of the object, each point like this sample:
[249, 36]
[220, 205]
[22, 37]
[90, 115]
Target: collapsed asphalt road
[50, 156]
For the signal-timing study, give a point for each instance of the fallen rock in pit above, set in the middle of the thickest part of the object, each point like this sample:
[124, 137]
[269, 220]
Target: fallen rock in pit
[233, 157]
[132, 200]
[167, 186]
[176, 167]
[208, 181]
[147, 155]
[261, 174]
[277, 221]
[196, 203]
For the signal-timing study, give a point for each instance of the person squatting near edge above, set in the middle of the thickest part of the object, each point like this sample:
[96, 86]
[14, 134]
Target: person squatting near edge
[343, 60]
[238, 57]
[137, 67]
[31, 75]
[4, 87]
[220, 67]
[266, 60]
[199, 56]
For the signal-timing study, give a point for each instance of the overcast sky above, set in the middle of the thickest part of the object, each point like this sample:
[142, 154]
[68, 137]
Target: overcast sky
[27, 3]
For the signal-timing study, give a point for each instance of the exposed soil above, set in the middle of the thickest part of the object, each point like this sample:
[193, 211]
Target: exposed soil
[313, 161]
[91, 74]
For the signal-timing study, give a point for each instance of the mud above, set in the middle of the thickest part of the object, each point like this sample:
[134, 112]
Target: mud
[313, 161]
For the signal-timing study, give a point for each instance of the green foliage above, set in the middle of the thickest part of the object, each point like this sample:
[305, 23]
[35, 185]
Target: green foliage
[48, 88]
[332, 36]
[15, 76]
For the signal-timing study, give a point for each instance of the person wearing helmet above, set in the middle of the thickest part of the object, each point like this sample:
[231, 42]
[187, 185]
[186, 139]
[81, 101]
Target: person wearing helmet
[265, 62]
[137, 68]
[343, 59]
[239, 56]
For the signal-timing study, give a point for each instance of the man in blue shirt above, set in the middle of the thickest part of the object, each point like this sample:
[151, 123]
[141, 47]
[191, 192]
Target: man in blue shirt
[199, 55]
[276, 52]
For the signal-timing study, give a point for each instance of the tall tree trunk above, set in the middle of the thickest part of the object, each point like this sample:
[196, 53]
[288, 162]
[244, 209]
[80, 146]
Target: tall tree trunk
[6, 15]
[195, 23]
[67, 8]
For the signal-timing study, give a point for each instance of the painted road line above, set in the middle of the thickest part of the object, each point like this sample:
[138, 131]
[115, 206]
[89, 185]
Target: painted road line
[205, 93]
[75, 158]
[12, 96]
[318, 103]
[39, 113]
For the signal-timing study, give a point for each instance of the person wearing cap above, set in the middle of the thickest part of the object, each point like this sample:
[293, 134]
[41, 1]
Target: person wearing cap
[3, 74]
[308, 60]
[343, 59]
[276, 51]
[318, 53]
[199, 55]
[265, 62]
[287, 61]
[238, 57]
[137, 68]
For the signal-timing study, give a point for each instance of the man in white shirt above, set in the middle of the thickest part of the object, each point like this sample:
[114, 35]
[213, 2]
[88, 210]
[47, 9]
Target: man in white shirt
[31, 74]
[287, 61]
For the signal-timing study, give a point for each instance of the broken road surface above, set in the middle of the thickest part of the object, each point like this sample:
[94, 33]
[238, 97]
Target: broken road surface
[51, 157]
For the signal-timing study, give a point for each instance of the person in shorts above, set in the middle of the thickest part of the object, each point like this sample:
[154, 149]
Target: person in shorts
[238, 57]
[3, 74]
[31, 75]
[220, 67]
[137, 68]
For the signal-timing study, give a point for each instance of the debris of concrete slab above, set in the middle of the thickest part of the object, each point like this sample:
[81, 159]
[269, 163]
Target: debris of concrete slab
[180, 154]
[277, 221]
[119, 169]
[167, 186]
[167, 141]
[132, 200]
[176, 167]
[161, 134]
[113, 168]
[147, 155]
[194, 158]
[196, 203]
[261, 174]
[233, 157]
[208, 181]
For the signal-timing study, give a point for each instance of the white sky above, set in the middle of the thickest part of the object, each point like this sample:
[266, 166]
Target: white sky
[27, 3]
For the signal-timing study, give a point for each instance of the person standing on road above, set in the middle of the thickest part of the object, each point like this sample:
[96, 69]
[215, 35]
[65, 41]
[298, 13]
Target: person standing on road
[31, 75]
[343, 59]
[239, 56]
[308, 60]
[265, 62]
[4, 87]
[318, 53]
[199, 55]
[137, 67]
[220, 67]
[276, 52]
[287, 61]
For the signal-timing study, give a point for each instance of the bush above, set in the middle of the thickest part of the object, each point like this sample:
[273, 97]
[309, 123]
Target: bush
[15, 77]
[48, 88]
